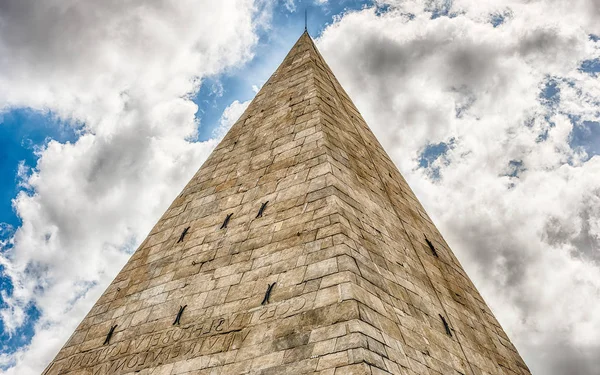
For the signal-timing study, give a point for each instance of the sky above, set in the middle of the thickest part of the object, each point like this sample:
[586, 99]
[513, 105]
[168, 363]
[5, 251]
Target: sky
[491, 111]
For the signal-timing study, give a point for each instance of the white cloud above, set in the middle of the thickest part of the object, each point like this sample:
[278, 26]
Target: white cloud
[126, 71]
[290, 5]
[530, 242]
[229, 117]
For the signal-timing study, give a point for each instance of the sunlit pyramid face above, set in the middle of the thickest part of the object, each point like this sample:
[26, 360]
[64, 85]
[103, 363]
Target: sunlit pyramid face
[297, 248]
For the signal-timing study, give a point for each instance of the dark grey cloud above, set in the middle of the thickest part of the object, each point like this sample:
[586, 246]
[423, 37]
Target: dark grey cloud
[579, 234]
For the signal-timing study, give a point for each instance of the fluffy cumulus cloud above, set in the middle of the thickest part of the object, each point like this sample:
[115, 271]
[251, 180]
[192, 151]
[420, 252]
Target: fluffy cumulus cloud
[229, 117]
[488, 109]
[121, 73]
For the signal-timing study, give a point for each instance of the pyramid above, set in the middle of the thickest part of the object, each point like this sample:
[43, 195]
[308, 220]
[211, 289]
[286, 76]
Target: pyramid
[297, 248]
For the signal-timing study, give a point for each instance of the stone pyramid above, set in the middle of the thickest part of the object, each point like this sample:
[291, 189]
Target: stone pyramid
[297, 248]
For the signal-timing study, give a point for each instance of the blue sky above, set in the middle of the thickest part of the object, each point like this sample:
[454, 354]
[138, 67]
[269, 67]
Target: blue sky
[218, 92]
[24, 131]
[512, 139]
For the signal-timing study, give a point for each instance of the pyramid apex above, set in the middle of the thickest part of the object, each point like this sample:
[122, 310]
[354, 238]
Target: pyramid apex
[304, 38]
[305, 34]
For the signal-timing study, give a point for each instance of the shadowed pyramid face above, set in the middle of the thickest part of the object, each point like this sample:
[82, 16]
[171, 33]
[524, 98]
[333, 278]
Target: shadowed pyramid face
[297, 248]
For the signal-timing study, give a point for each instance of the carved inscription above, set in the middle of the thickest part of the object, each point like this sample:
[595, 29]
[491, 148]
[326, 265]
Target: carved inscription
[154, 349]
[286, 308]
[177, 352]
[176, 343]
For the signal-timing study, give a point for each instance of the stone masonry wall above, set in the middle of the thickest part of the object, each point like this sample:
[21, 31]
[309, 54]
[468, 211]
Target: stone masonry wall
[342, 241]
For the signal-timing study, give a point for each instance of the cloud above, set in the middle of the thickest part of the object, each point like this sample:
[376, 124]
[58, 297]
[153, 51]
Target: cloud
[456, 92]
[513, 191]
[122, 74]
[230, 115]
[290, 5]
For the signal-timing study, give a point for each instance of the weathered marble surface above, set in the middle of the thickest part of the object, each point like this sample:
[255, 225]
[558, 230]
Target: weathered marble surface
[358, 288]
